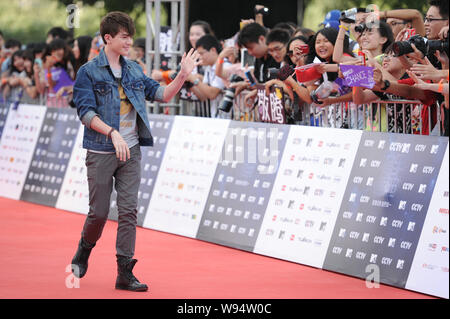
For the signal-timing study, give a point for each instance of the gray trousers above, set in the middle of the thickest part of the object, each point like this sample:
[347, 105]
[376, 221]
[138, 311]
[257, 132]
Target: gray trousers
[101, 169]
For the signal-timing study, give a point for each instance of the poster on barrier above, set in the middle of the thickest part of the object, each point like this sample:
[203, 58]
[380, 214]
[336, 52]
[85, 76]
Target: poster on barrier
[308, 190]
[51, 156]
[384, 206]
[429, 270]
[19, 139]
[160, 126]
[185, 175]
[271, 107]
[74, 193]
[242, 184]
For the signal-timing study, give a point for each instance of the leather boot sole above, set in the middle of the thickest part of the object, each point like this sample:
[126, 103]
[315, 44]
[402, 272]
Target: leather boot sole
[125, 287]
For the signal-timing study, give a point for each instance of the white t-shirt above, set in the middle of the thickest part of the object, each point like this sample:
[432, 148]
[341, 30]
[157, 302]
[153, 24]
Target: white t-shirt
[213, 80]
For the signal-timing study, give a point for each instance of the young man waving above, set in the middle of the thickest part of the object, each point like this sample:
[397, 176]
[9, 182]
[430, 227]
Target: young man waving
[110, 93]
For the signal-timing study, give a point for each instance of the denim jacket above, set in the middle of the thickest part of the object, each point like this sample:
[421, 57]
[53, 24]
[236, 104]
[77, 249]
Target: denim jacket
[96, 93]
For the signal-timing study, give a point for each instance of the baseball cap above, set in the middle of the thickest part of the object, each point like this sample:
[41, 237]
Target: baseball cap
[332, 19]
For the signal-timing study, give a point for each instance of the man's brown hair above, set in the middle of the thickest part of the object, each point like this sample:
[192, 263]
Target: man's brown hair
[115, 22]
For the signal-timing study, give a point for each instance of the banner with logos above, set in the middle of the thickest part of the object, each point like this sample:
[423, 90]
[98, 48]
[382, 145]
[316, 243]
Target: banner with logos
[161, 127]
[185, 175]
[429, 269]
[242, 184]
[74, 194]
[369, 205]
[4, 109]
[384, 206]
[307, 194]
[51, 156]
[19, 138]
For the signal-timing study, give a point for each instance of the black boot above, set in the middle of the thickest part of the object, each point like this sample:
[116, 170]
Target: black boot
[125, 278]
[80, 260]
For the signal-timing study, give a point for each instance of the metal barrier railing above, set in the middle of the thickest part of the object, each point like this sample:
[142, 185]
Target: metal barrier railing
[393, 116]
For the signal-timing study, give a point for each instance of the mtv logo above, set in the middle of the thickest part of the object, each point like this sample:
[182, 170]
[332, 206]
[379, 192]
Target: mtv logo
[405, 148]
[411, 226]
[349, 253]
[422, 188]
[363, 162]
[391, 242]
[291, 204]
[366, 237]
[434, 149]
[359, 217]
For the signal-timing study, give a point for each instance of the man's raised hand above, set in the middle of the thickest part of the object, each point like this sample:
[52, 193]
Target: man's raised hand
[189, 61]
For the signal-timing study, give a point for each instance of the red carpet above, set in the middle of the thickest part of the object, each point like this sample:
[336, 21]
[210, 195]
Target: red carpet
[39, 242]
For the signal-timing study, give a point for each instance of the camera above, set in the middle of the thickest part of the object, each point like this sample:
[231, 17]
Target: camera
[422, 44]
[360, 28]
[438, 45]
[227, 100]
[280, 74]
[264, 11]
[349, 16]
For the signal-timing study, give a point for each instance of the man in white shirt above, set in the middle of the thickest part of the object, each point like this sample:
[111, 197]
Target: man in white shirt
[211, 86]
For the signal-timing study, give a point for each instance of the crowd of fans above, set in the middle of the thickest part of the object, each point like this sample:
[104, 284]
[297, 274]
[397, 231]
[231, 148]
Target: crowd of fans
[44, 73]
[407, 51]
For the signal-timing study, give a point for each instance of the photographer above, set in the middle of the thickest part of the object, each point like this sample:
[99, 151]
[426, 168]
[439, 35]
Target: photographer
[436, 31]
[277, 41]
[208, 47]
[352, 23]
[376, 39]
[253, 38]
[436, 19]
[404, 19]
[230, 53]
